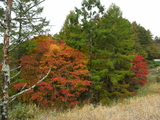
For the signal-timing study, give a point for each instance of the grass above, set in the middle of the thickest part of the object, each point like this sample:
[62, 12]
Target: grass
[138, 108]
[144, 106]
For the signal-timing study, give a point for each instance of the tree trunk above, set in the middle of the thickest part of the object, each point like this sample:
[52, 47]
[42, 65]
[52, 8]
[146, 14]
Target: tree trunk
[5, 63]
[91, 53]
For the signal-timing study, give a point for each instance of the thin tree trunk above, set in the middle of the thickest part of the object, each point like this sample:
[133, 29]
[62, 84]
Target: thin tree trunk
[19, 36]
[91, 53]
[5, 63]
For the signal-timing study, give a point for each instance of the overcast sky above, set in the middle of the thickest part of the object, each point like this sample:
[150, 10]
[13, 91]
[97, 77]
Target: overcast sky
[144, 12]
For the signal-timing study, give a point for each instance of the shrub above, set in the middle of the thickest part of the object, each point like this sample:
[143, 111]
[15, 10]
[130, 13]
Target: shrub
[140, 69]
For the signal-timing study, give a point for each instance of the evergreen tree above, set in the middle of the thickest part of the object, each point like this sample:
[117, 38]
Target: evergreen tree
[144, 43]
[141, 35]
[157, 39]
[142, 38]
[80, 24]
[113, 57]
[153, 51]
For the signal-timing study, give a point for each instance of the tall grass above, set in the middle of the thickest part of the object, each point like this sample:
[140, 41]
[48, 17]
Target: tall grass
[144, 108]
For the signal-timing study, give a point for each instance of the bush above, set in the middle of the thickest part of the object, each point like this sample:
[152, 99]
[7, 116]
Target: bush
[140, 69]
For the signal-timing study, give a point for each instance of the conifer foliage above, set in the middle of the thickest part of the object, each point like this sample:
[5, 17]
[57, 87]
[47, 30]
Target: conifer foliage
[67, 79]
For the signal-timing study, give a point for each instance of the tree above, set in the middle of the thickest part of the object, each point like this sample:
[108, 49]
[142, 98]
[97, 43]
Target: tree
[142, 38]
[5, 64]
[79, 29]
[153, 51]
[6, 25]
[144, 43]
[140, 69]
[26, 24]
[113, 56]
[80, 24]
[157, 39]
[68, 77]
[27, 21]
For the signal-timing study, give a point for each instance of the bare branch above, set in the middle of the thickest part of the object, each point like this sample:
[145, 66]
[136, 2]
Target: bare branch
[19, 19]
[29, 19]
[16, 75]
[23, 86]
[15, 68]
[14, 96]
[21, 90]
[13, 47]
[17, 44]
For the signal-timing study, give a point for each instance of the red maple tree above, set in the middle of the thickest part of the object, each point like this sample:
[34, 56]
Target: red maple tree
[67, 79]
[140, 69]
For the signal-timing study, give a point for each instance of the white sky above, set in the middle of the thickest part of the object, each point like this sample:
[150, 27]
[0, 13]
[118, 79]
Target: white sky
[144, 12]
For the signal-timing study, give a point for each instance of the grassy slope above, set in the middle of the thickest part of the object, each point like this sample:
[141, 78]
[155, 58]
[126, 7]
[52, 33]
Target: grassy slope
[144, 106]
[139, 108]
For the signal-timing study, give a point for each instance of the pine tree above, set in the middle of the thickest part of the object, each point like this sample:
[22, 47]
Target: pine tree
[113, 57]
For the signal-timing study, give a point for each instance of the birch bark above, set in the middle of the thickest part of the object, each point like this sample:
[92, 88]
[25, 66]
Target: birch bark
[5, 63]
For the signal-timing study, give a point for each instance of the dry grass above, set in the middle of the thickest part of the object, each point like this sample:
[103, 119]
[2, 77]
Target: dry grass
[142, 108]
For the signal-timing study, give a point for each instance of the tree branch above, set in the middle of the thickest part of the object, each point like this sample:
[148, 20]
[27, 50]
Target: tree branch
[14, 46]
[31, 7]
[14, 96]
[21, 90]
[15, 68]
[19, 19]
[29, 19]
[3, 25]
[0, 104]
[16, 75]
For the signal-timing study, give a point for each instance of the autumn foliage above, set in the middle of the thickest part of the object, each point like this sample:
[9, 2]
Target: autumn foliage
[140, 69]
[67, 79]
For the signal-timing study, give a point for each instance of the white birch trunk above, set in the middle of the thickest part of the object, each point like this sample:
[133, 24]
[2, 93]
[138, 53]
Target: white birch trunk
[5, 63]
